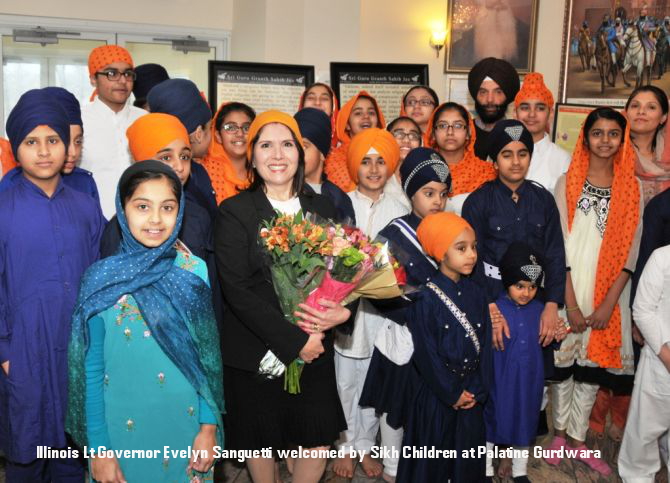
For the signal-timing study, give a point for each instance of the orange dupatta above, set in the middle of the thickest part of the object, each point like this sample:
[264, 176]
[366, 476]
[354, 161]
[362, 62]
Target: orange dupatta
[220, 168]
[604, 345]
[7, 161]
[335, 165]
[470, 172]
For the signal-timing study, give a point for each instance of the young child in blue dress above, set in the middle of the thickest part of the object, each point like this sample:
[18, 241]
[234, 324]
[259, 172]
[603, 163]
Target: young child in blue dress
[451, 332]
[513, 408]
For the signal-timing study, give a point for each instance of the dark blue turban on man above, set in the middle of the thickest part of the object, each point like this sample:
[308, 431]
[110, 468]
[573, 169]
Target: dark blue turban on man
[36, 108]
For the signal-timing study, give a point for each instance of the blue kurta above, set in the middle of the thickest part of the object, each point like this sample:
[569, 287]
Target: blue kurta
[386, 383]
[445, 363]
[513, 409]
[79, 179]
[533, 219]
[46, 244]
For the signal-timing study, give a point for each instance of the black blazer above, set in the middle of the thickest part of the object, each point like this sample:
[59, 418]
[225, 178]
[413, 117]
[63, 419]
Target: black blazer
[254, 322]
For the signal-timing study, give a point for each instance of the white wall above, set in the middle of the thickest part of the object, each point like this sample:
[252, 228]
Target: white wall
[215, 14]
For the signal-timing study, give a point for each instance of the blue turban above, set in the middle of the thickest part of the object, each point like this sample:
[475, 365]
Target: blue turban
[420, 167]
[315, 125]
[36, 108]
[148, 76]
[67, 100]
[182, 99]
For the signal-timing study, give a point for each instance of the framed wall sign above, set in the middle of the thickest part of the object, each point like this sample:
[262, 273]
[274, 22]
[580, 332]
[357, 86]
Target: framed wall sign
[260, 85]
[568, 121]
[387, 83]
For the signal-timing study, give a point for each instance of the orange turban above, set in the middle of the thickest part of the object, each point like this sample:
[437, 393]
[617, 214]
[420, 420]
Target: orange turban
[380, 139]
[438, 231]
[534, 88]
[345, 112]
[152, 132]
[105, 55]
[269, 117]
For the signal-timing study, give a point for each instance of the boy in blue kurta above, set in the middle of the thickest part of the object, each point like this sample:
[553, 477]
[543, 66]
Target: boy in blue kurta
[451, 332]
[49, 235]
[513, 408]
[426, 181]
[73, 175]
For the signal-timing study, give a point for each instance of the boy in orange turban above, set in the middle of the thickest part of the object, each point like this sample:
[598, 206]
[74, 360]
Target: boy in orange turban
[372, 157]
[359, 113]
[535, 108]
[106, 119]
[451, 332]
[164, 138]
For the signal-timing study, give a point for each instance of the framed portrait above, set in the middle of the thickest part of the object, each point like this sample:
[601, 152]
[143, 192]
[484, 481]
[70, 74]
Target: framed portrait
[260, 85]
[611, 47]
[568, 121]
[387, 83]
[477, 29]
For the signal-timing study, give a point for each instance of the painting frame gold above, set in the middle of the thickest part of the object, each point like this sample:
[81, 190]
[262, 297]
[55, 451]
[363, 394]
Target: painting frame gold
[457, 43]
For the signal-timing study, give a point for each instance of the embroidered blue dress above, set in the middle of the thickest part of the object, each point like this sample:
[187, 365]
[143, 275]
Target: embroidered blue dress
[386, 382]
[46, 244]
[136, 396]
[446, 361]
[513, 409]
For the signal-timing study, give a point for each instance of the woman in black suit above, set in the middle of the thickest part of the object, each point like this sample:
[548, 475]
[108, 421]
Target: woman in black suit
[260, 413]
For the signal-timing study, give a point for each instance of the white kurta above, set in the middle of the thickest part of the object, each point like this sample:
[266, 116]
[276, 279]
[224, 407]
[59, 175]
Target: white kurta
[548, 163]
[371, 217]
[649, 414]
[105, 152]
[393, 189]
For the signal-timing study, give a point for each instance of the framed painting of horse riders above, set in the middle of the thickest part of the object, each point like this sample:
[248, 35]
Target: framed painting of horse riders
[477, 29]
[612, 46]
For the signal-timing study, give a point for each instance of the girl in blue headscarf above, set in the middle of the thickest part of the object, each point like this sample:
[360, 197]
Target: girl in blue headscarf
[144, 359]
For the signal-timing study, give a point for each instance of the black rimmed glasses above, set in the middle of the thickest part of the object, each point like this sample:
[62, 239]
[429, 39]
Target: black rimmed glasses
[445, 126]
[233, 128]
[401, 135]
[116, 74]
[420, 102]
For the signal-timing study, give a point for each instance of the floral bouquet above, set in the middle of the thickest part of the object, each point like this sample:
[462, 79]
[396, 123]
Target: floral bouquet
[314, 259]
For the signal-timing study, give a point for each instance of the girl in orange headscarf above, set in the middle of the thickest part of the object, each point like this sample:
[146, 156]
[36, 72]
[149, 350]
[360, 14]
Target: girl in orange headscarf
[227, 157]
[359, 113]
[452, 133]
[321, 96]
[600, 205]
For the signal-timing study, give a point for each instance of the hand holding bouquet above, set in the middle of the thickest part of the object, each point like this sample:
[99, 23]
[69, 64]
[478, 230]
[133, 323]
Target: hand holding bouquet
[321, 264]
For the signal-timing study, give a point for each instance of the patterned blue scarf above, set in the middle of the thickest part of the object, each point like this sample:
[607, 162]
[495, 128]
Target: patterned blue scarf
[175, 303]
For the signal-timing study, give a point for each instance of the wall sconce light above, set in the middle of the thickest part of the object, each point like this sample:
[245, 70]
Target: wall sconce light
[437, 39]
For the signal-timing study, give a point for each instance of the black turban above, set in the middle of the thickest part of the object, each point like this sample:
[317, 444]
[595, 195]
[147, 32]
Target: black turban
[500, 71]
[505, 132]
[520, 263]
